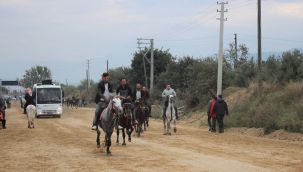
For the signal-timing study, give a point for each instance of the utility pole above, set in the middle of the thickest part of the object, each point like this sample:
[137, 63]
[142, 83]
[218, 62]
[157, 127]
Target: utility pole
[149, 42]
[107, 66]
[151, 65]
[220, 53]
[259, 47]
[88, 74]
[236, 52]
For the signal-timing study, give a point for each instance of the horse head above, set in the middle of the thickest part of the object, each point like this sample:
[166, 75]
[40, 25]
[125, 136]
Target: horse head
[171, 99]
[117, 105]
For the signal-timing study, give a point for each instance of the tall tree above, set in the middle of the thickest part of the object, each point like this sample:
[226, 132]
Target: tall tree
[231, 55]
[161, 59]
[35, 75]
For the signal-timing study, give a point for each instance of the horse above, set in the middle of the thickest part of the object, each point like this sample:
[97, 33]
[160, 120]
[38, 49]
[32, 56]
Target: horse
[170, 116]
[147, 115]
[107, 122]
[125, 120]
[141, 113]
[31, 111]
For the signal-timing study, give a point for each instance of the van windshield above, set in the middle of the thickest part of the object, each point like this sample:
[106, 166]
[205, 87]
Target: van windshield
[48, 95]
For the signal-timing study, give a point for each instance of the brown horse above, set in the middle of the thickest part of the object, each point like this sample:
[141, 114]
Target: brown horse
[141, 113]
[125, 121]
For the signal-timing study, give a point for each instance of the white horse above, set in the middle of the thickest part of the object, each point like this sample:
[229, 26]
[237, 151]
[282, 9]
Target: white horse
[31, 111]
[170, 116]
[108, 121]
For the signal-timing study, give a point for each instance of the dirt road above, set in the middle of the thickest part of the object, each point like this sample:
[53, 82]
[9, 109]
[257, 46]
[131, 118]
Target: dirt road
[68, 144]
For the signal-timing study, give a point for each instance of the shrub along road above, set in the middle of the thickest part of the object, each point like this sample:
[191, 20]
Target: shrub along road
[68, 144]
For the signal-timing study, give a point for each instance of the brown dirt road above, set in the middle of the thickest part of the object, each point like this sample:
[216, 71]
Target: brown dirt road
[68, 144]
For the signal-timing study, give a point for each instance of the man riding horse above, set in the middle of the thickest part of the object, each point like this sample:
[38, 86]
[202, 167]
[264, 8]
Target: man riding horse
[124, 92]
[137, 95]
[105, 89]
[165, 94]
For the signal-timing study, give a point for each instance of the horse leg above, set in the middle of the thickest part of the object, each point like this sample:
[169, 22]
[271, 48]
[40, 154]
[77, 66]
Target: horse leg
[98, 137]
[145, 124]
[168, 127]
[123, 134]
[117, 136]
[164, 126]
[175, 127]
[129, 133]
[108, 143]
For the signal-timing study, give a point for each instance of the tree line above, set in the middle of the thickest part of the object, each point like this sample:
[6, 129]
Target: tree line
[194, 78]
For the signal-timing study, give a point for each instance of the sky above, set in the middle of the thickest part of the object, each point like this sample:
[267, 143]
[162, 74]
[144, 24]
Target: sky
[63, 34]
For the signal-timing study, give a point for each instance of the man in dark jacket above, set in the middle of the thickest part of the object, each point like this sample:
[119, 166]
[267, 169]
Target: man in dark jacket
[105, 89]
[136, 96]
[125, 92]
[147, 101]
[221, 110]
[2, 110]
[29, 97]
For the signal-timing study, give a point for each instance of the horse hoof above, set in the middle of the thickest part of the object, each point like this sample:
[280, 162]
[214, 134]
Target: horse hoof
[129, 140]
[169, 134]
[98, 146]
[175, 130]
[123, 144]
[108, 153]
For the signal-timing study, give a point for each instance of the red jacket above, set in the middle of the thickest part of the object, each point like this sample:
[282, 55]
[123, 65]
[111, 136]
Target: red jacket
[212, 108]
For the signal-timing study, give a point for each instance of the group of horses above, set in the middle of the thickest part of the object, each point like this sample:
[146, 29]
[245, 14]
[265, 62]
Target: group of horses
[117, 114]
[73, 102]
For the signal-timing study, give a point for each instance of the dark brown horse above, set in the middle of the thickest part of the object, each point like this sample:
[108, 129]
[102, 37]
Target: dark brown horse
[125, 121]
[141, 113]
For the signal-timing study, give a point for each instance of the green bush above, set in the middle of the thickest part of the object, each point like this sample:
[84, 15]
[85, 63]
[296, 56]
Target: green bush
[277, 109]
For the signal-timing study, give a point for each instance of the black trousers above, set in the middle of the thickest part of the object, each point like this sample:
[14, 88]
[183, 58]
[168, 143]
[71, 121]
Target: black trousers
[209, 121]
[221, 123]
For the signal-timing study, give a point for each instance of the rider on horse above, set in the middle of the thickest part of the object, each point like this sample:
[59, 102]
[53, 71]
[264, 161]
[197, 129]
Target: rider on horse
[105, 89]
[124, 91]
[137, 95]
[165, 94]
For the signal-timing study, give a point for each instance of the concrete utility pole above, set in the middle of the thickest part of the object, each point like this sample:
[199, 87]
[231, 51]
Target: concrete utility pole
[220, 53]
[150, 42]
[259, 47]
[236, 52]
[88, 74]
[151, 65]
[107, 66]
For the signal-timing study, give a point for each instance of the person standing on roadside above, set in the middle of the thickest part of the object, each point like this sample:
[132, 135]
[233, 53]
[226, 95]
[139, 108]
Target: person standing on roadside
[221, 110]
[2, 110]
[211, 115]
